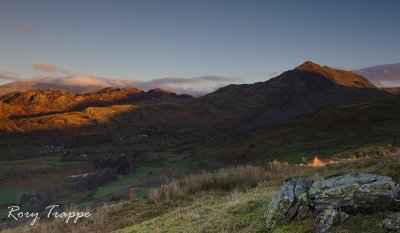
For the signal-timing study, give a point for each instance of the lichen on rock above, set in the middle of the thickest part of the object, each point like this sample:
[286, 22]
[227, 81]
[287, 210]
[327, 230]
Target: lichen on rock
[329, 217]
[354, 192]
[327, 199]
[285, 205]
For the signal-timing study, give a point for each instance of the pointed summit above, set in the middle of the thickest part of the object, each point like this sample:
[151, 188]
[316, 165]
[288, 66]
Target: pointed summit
[308, 65]
[341, 77]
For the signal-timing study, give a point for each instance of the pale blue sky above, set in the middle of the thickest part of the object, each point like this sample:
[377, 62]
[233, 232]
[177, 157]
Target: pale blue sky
[149, 39]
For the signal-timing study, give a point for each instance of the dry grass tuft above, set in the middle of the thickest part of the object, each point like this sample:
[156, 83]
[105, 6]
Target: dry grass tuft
[226, 179]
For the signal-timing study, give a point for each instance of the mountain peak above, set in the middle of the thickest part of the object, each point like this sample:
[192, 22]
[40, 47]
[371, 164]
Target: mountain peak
[340, 77]
[308, 65]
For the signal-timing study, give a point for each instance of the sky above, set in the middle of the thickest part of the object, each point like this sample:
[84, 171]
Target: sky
[211, 41]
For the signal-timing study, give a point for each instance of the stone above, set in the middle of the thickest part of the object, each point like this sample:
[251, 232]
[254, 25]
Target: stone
[392, 223]
[354, 192]
[303, 212]
[327, 199]
[328, 218]
[285, 205]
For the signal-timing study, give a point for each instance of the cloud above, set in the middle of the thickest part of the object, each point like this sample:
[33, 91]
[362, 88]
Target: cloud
[203, 84]
[8, 76]
[173, 80]
[85, 81]
[216, 78]
[26, 26]
[383, 75]
[193, 86]
[389, 83]
[180, 80]
[49, 68]
[191, 91]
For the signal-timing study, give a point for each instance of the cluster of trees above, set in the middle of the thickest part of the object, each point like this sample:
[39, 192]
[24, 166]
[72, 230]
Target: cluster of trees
[94, 179]
[120, 163]
[35, 201]
[107, 169]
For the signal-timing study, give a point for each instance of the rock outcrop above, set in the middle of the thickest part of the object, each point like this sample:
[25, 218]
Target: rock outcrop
[392, 223]
[329, 217]
[330, 199]
[354, 192]
[290, 203]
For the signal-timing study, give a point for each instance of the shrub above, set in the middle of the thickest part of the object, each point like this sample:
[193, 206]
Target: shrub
[35, 201]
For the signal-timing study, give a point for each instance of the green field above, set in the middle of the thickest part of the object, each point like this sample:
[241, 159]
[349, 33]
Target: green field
[180, 163]
[123, 183]
[8, 195]
[39, 162]
[39, 174]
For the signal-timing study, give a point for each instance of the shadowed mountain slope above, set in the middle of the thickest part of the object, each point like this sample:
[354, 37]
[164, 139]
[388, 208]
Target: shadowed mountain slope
[301, 90]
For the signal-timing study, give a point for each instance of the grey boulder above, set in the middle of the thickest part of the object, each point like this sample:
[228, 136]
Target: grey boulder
[290, 202]
[328, 218]
[355, 192]
[301, 197]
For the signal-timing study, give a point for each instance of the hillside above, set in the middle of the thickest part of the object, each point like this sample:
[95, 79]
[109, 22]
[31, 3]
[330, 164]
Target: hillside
[25, 108]
[176, 121]
[231, 110]
[392, 90]
[131, 141]
[47, 101]
[303, 89]
[325, 132]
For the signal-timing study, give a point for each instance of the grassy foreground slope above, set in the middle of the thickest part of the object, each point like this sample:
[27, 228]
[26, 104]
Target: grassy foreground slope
[210, 205]
[243, 211]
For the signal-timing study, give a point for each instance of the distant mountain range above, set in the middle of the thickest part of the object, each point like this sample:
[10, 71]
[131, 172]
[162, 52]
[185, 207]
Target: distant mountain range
[382, 75]
[234, 108]
[74, 84]
[91, 84]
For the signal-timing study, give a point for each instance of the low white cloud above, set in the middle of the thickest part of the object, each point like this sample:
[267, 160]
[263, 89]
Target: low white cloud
[173, 80]
[216, 78]
[193, 86]
[7, 77]
[181, 80]
[383, 75]
[387, 83]
[85, 81]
